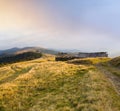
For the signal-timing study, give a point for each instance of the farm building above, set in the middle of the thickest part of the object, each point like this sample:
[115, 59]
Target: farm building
[69, 56]
[95, 54]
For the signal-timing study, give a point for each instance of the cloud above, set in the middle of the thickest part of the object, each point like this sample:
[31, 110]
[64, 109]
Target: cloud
[80, 24]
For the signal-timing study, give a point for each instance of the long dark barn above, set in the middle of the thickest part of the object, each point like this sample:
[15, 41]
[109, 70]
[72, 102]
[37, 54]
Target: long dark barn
[67, 56]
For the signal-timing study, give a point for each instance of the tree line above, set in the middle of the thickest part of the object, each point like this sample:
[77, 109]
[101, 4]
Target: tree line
[20, 57]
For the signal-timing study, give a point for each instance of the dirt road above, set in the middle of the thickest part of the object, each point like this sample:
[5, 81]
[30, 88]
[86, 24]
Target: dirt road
[114, 79]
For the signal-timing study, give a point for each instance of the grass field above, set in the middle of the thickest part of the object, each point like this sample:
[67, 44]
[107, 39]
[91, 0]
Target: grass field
[46, 85]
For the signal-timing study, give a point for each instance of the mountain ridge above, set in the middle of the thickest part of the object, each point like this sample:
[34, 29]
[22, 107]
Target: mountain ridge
[16, 50]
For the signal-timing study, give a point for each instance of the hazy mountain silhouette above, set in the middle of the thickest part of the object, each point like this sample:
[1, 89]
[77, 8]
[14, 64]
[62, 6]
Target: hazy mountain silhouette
[15, 50]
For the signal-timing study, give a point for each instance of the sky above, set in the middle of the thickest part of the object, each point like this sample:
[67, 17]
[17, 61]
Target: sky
[85, 25]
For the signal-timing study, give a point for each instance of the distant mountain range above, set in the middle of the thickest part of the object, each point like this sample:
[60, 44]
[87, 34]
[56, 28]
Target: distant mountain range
[14, 51]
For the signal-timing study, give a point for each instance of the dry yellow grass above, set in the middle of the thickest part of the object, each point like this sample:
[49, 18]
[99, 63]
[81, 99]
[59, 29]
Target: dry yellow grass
[89, 61]
[46, 85]
[116, 62]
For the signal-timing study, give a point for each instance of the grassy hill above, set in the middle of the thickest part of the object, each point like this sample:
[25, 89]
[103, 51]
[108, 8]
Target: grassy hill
[14, 51]
[46, 85]
[116, 62]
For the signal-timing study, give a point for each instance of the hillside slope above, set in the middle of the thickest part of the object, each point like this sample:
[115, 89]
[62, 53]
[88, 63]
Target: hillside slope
[115, 62]
[46, 85]
[19, 57]
[14, 51]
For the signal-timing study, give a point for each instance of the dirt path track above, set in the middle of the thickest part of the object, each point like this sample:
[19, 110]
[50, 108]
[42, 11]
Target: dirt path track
[115, 80]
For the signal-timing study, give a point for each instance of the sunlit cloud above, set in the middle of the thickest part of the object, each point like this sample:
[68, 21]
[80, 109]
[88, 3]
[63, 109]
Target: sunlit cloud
[62, 24]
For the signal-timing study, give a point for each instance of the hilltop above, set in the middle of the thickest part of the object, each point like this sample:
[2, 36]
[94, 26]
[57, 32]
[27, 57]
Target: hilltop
[14, 51]
[47, 85]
